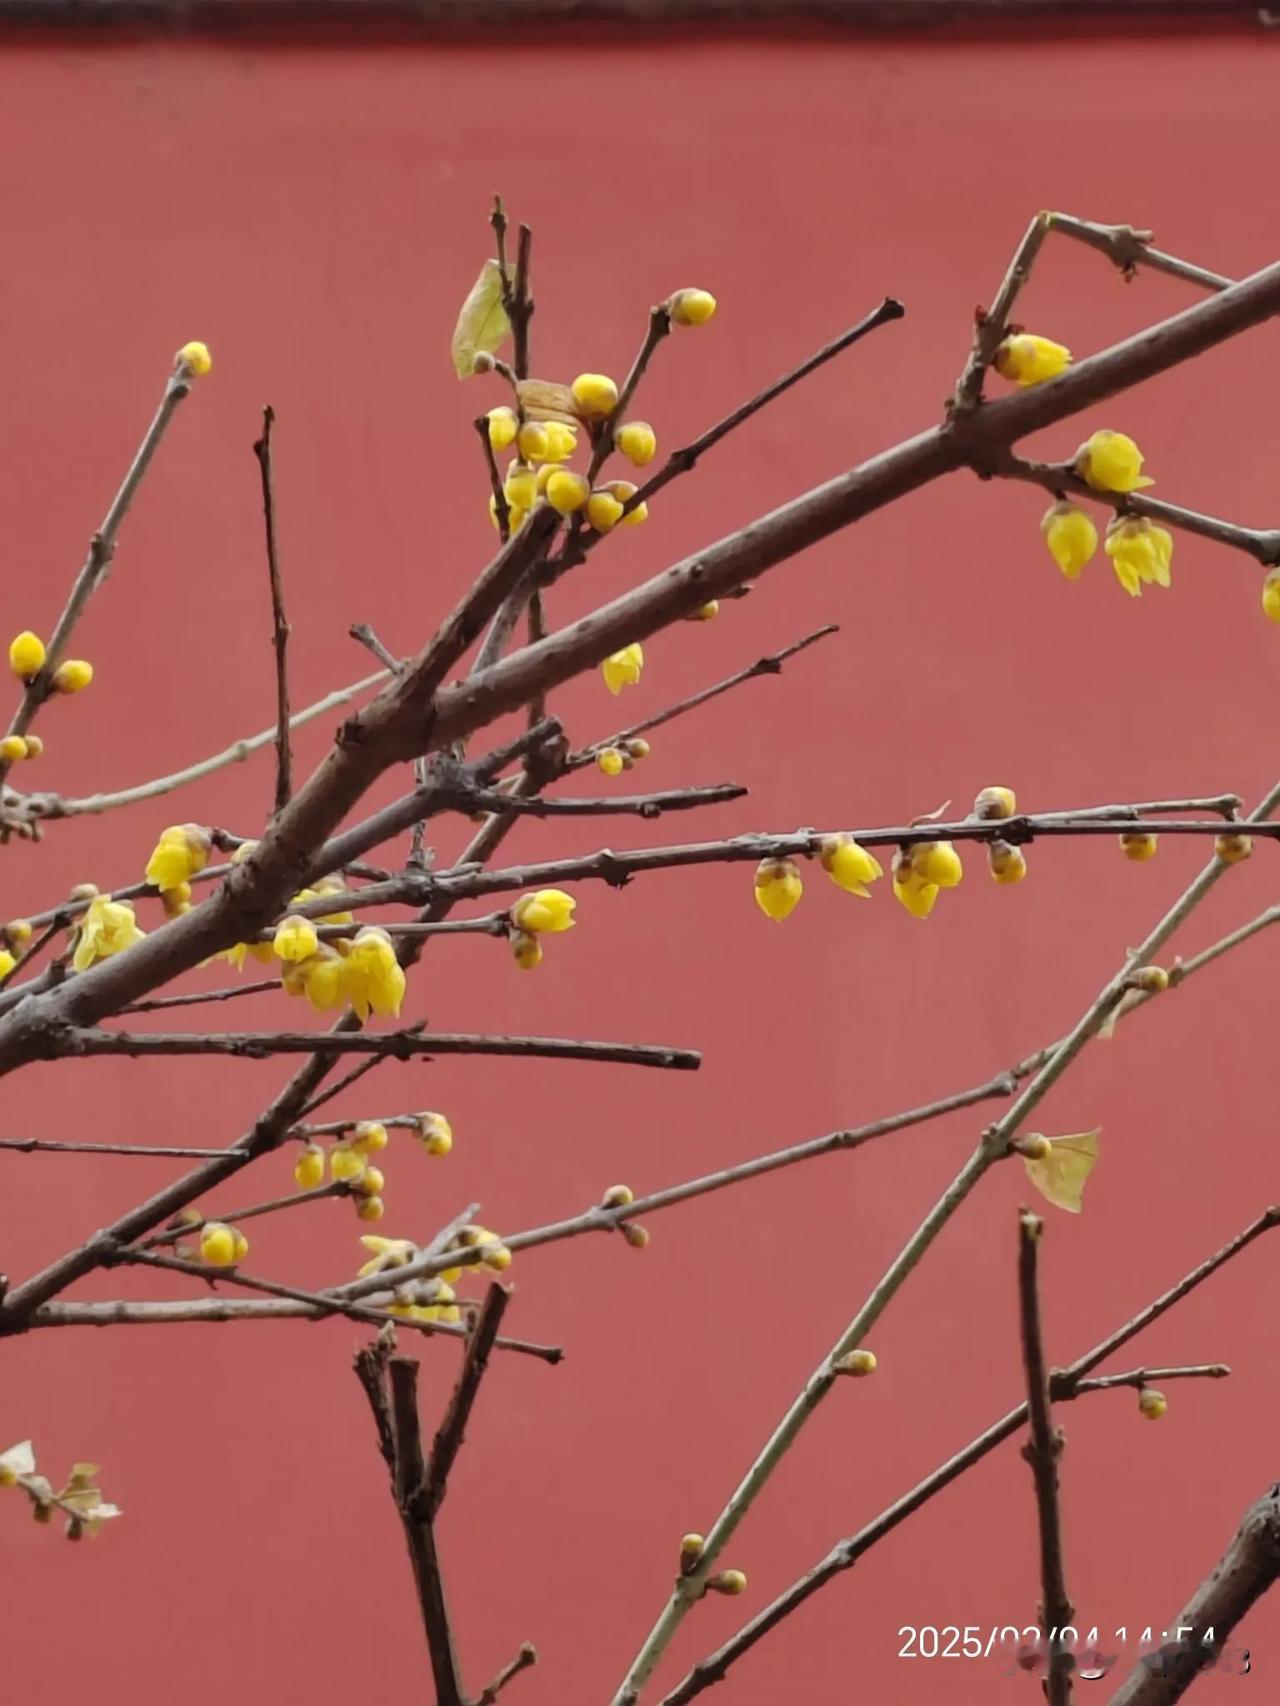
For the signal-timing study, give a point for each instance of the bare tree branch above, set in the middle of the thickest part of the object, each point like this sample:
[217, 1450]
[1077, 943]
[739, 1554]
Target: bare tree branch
[280, 624]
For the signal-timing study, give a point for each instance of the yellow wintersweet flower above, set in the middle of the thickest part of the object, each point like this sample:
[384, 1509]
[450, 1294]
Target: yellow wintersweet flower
[7, 962]
[562, 441]
[73, 676]
[346, 1165]
[195, 356]
[369, 1136]
[778, 888]
[936, 862]
[1007, 864]
[26, 655]
[320, 979]
[372, 976]
[621, 491]
[308, 1169]
[1139, 552]
[182, 850]
[1111, 462]
[1071, 537]
[370, 1183]
[692, 307]
[526, 950]
[436, 1133]
[370, 1208]
[545, 912]
[637, 441]
[520, 488]
[567, 491]
[35, 746]
[1139, 848]
[531, 441]
[503, 427]
[623, 669]
[912, 890]
[221, 1245]
[108, 927]
[516, 516]
[995, 802]
[604, 510]
[1271, 596]
[385, 1253]
[1030, 360]
[595, 394]
[1231, 849]
[13, 748]
[1152, 1403]
[295, 939]
[849, 866]
[610, 761]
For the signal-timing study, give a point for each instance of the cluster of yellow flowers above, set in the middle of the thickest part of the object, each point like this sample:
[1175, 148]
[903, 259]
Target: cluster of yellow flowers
[547, 912]
[349, 1163]
[613, 760]
[433, 1299]
[1140, 551]
[222, 1246]
[26, 660]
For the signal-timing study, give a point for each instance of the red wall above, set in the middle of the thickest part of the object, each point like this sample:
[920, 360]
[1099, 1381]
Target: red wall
[316, 216]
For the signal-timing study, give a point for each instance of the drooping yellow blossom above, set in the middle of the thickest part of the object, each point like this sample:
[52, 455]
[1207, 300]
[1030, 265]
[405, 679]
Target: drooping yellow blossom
[26, 655]
[503, 427]
[372, 976]
[692, 307]
[371, 1183]
[610, 761]
[369, 1136]
[995, 802]
[221, 1245]
[562, 441]
[308, 1169]
[1231, 849]
[182, 850]
[1030, 360]
[545, 912]
[621, 491]
[1271, 596]
[526, 949]
[73, 676]
[108, 927]
[1151, 1403]
[624, 668]
[295, 939]
[346, 1165]
[1139, 552]
[385, 1253]
[637, 441]
[195, 356]
[1111, 462]
[520, 488]
[595, 395]
[1139, 847]
[912, 890]
[436, 1133]
[849, 866]
[936, 862]
[13, 748]
[1007, 863]
[323, 978]
[7, 962]
[604, 510]
[567, 491]
[778, 888]
[1071, 537]
[370, 1208]
[531, 441]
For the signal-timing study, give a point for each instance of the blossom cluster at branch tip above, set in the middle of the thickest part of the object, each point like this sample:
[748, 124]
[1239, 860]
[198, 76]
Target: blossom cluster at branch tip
[1140, 553]
[26, 655]
[1028, 359]
[1152, 1403]
[222, 1246]
[107, 927]
[1071, 537]
[1111, 462]
[623, 668]
[1140, 847]
[691, 307]
[428, 1300]
[195, 358]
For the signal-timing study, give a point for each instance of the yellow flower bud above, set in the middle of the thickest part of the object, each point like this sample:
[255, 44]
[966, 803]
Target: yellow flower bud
[778, 888]
[618, 1196]
[73, 676]
[345, 1164]
[369, 1136]
[531, 441]
[1007, 864]
[1152, 980]
[610, 762]
[196, 357]
[520, 488]
[1271, 596]
[182, 850]
[502, 428]
[1071, 537]
[295, 939]
[1139, 847]
[240, 1242]
[705, 612]
[1029, 360]
[567, 491]
[526, 950]
[849, 866]
[995, 803]
[622, 490]
[548, 911]
[12, 748]
[1111, 462]
[913, 891]
[692, 307]
[436, 1133]
[1151, 1403]
[595, 395]
[370, 1183]
[217, 1245]
[370, 1208]
[603, 510]
[637, 748]
[856, 1363]
[637, 441]
[727, 1581]
[936, 862]
[35, 746]
[18, 932]
[562, 441]
[1139, 552]
[26, 655]
[308, 1169]
[1231, 849]
[635, 1235]
[692, 1546]
[623, 669]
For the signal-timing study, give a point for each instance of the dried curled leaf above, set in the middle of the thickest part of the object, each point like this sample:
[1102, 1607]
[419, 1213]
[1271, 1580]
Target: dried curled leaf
[483, 323]
[544, 400]
[1060, 1177]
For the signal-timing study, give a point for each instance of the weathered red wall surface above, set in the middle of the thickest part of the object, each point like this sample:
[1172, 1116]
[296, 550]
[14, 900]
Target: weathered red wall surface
[316, 215]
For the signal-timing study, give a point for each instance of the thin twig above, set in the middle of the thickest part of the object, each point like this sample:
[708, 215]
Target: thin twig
[280, 624]
[449, 1435]
[991, 324]
[528, 1655]
[203, 997]
[1043, 1452]
[273, 1205]
[53, 1146]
